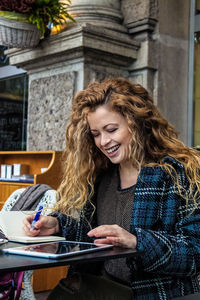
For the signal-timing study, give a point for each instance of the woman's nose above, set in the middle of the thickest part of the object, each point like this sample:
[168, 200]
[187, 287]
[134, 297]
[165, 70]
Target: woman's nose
[105, 139]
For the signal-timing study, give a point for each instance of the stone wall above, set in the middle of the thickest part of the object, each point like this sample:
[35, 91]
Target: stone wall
[173, 56]
[49, 107]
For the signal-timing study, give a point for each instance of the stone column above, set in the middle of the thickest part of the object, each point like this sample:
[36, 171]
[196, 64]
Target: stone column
[141, 19]
[104, 13]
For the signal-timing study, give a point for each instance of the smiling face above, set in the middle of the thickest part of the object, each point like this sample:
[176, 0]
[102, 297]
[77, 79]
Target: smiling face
[110, 132]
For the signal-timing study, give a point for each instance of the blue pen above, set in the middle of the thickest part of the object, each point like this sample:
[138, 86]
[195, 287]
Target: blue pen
[37, 216]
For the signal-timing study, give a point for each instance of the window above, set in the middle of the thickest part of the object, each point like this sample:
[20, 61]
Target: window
[13, 106]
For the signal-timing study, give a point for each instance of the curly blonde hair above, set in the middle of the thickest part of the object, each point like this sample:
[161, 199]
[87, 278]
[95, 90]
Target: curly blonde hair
[152, 138]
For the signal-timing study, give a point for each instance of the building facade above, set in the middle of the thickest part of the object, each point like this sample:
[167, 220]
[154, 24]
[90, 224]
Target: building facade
[151, 42]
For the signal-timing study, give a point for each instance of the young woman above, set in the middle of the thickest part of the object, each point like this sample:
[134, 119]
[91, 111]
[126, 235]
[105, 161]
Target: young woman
[131, 182]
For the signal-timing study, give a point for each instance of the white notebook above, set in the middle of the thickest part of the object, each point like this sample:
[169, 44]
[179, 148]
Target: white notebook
[11, 224]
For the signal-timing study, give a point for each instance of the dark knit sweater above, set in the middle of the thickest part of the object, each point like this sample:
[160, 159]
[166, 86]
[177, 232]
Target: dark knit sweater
[114, 207]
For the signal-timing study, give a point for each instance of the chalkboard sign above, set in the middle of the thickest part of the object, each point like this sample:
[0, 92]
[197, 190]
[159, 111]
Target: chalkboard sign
[13, 111]
[11, 125]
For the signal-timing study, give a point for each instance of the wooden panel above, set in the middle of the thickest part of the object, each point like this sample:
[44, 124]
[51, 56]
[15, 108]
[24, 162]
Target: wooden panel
[47, 279]
[35, 159]
[6, 189]
[53, 174]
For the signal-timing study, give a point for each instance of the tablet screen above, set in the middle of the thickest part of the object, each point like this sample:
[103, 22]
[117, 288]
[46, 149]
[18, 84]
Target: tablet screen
[56, 249]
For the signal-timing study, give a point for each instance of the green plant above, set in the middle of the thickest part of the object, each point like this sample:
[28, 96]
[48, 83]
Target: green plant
[42, 13]
[46, 12]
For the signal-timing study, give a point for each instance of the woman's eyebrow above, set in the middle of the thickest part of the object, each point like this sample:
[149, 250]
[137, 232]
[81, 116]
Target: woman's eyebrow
[93, 130]
[112, 124]
[104, 127]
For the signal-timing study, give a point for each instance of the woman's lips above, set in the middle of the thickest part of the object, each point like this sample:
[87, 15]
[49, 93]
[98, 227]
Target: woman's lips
[112, 150]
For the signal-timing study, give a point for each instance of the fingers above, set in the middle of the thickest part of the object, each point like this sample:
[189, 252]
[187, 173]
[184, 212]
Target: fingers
[28, 220]
[113, 234]
[46, 225]
[40, 224]
[34, 232]
[27, 225]
[104, 230]
[109, 240]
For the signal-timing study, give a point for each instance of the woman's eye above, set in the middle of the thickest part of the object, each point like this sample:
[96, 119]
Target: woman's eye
[111, 129]
[94, 134]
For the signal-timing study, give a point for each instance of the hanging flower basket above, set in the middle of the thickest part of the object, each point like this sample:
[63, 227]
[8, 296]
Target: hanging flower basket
[24, 22]
[18, 34]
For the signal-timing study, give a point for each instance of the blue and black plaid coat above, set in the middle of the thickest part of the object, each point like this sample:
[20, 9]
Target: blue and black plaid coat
[168, 235]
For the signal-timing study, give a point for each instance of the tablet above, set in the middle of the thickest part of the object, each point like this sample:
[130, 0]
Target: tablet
[56, 250]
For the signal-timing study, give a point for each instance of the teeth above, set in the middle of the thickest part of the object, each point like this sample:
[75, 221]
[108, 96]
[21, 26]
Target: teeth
[111, 150]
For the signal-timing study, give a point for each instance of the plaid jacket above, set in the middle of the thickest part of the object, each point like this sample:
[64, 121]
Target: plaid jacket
[168, 235]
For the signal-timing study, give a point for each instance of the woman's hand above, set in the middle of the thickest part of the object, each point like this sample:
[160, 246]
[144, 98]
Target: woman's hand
[46, 225]
[113, 234]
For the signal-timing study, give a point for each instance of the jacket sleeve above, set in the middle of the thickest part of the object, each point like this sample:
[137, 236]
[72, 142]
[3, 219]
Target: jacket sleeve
[178, 253]
[76, 229]
[172, 245]
[67, 226]
[73, 229]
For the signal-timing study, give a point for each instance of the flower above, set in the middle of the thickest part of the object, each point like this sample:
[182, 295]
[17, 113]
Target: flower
[38, 12]
[23, 6]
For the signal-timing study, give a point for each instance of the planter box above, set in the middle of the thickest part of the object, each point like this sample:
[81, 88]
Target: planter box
[17, 34]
